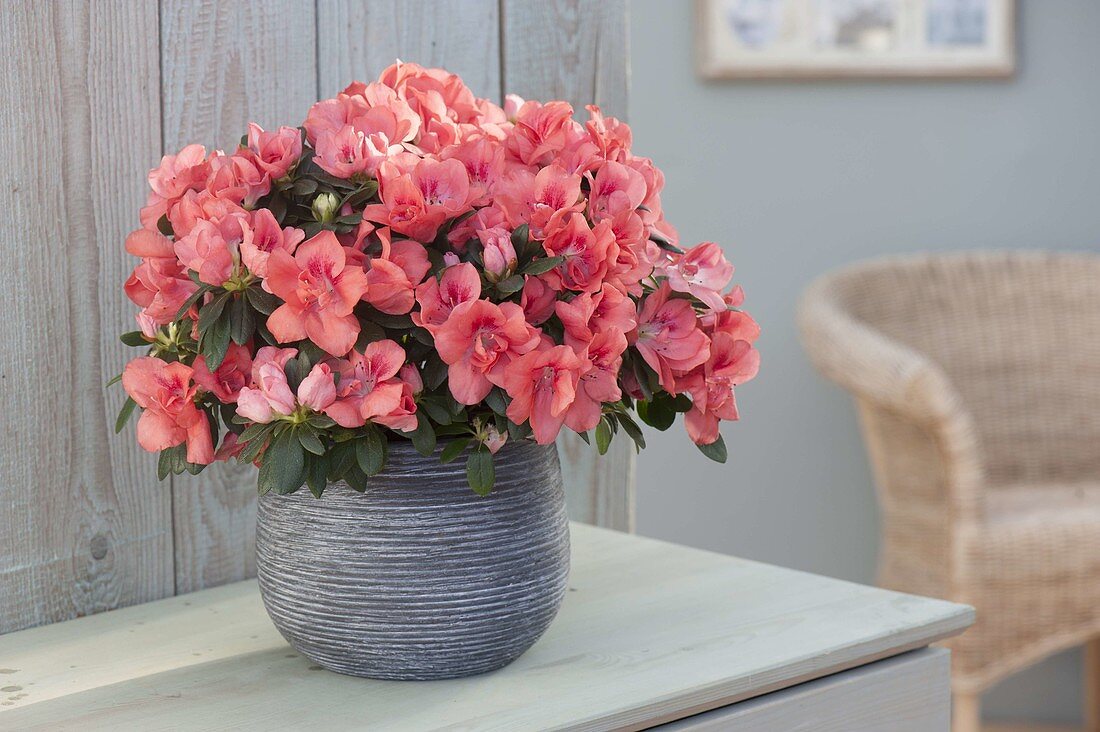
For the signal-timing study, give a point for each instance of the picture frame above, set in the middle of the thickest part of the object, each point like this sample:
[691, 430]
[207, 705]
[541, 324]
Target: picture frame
[815, 39]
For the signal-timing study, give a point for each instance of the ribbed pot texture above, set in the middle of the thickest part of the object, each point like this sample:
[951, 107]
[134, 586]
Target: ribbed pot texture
[418, 577]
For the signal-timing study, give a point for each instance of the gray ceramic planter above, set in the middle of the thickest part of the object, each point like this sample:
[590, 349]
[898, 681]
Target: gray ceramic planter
[418, 577]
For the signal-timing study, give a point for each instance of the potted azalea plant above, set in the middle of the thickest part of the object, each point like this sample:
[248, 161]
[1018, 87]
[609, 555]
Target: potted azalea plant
[393, 311]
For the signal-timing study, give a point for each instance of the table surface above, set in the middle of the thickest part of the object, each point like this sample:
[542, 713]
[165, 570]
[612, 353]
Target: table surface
[649, 632]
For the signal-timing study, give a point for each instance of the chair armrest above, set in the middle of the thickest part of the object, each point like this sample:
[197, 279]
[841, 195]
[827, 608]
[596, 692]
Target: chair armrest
[885, 374]
[873, 366]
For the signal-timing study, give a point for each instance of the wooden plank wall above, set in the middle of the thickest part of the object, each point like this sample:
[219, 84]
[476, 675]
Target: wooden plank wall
[107, 87]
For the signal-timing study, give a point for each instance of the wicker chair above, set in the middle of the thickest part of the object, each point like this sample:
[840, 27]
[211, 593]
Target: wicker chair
[977, 378]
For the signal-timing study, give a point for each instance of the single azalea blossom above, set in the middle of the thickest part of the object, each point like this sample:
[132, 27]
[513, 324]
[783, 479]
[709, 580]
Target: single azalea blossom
[591, 313]
[169, 417]
[232, 375]
[159, 285]
[459, 283]
[262, 235]
[269, 396]
[392, 277]
[588, 253]
[599, 380]
[668, 336]
[703, 272]
[478, 340]
[320, 293]
[543, 386]
[368, 390]
[732, 362]
[275, 152]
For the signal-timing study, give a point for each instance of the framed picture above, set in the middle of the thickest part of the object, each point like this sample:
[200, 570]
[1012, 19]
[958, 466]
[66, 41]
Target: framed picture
[805, 39]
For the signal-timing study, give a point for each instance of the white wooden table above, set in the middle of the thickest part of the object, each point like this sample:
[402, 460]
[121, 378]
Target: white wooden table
[650, 633]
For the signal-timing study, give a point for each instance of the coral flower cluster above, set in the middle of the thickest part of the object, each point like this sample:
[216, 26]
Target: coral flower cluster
[417, 263]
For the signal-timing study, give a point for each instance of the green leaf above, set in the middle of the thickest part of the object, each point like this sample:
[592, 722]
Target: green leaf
[134, 338]
[434, 372]
[283, 468]
[194, 298]
[632, 429]
[256, 430]
[356, 479]
[434, 408]
[370, 452]
[262, 300]
[543, 265]
[657, 413]
[453, 449]
[173, 461]
[603, 436]
[497, 401]
[317, 474]
[341, 460]
[423, 438]
[114, 380]
[215, 343]
[520, 237]
[716, 450]
[480, 473]
[242, 320]
[309, 439]
[510, 285]
[124, 414]
[212, 311]
[164, 226]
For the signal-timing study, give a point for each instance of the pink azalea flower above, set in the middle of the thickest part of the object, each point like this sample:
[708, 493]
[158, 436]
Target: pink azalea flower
[668, 336]
[459, 283]
[537, 300]
[540, 131]
[484, 162]
[212, 249]
[494, 439]
[179, 173]
[393, 276]
[732, 362]
[270, 398]
[599, 381]
[275, 152]
[542, 200]
[478, 341]
[262, 236]
[702, 272]
[268, 395]
[404, 207]
[320, 293]
[588, 253]
[169, 417]
[543, 386]
[591, 313]
[159, 284]
[226, 381]
[612, 136]
[347, 153]
[614, 189]
[193, 207]
[367, 389]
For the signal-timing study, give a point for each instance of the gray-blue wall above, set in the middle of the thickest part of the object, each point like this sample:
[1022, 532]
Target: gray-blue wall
[797, 178]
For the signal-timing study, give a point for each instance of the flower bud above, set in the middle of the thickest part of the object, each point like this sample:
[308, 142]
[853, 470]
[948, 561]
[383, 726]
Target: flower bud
[324, 207]
[498, 253]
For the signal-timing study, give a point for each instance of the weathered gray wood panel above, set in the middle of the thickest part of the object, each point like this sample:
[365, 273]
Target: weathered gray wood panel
[357, 39]
[226, 64]
[83, 524]
[577, 50]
